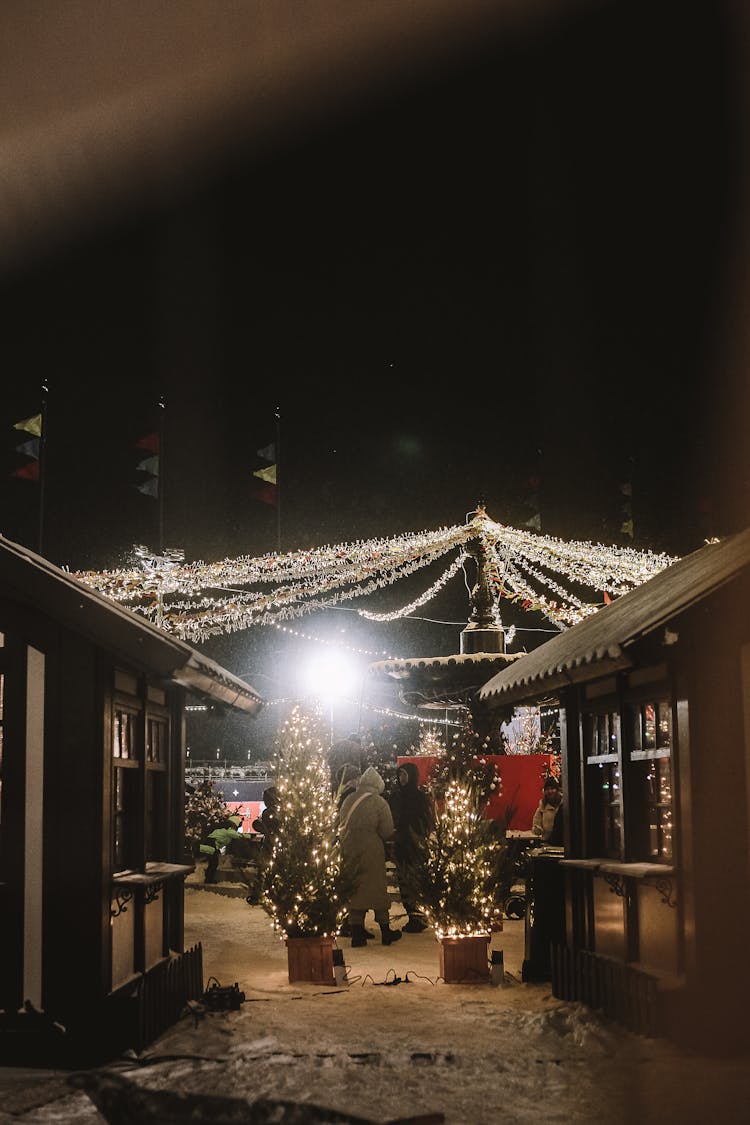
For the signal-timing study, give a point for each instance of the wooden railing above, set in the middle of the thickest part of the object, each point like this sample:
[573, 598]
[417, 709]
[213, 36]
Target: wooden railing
[164, 992]
[624, 994]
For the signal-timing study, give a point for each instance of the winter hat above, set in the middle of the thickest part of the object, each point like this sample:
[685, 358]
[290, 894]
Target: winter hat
[372, 779]
[551, 783]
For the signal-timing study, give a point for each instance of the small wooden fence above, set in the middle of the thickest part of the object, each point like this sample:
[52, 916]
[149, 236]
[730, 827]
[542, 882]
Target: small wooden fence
[624, 994]
[164, 992]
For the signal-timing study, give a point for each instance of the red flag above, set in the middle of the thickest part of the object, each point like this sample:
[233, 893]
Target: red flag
[29, 472]
[607, 599]
[149, 442]
[266, 493]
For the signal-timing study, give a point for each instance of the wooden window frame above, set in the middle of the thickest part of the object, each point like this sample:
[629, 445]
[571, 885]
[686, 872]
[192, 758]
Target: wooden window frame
[605, 821]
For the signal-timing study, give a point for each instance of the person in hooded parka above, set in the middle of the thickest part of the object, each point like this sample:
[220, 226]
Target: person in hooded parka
[364, 825]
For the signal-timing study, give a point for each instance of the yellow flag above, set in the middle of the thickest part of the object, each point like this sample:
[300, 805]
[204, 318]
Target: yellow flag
[268, 474]
[31, 425]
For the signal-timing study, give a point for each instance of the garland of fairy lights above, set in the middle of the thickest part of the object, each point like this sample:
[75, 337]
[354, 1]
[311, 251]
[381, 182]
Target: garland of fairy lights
[197, 600]
[333, 643]
[427, 596]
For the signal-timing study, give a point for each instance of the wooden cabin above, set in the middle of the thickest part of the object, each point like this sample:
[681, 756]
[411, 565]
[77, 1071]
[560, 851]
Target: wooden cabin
[654, 699]
[92, 860]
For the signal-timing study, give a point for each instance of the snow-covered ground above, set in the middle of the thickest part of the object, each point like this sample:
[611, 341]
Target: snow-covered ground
[479, 1055]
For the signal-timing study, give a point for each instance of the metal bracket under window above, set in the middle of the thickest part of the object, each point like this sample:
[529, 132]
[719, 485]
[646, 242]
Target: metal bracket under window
[666, 890]
[122, 898]
[615, 882]
[151, 893]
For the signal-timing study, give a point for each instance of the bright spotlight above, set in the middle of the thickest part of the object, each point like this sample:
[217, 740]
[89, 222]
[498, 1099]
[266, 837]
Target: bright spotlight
[331, 675]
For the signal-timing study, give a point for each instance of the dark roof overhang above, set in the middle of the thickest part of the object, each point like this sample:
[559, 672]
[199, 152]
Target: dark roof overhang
[34, 581]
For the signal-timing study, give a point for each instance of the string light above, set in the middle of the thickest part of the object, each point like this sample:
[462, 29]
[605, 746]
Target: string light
[336, 643]
[198, 600]
[427, 596]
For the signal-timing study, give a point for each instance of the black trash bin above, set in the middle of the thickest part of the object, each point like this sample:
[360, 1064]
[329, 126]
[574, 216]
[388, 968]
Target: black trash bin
[545, 911]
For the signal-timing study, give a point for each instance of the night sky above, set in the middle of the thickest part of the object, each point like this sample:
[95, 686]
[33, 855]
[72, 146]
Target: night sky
[519, 267]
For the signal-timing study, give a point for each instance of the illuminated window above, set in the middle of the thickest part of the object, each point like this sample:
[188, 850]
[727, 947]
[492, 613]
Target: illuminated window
[603, 781]
[651, 757]
[125, 787]
[155, 818]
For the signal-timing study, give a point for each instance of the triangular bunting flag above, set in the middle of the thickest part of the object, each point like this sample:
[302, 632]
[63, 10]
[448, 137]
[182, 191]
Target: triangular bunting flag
[28, 472]
[535, 522]
[150, 442]
[269, 453]
[149, 487]
[30, 448]
[268, 475]
[150, 465]
[627, 528]
[266, 493]
[31, 425]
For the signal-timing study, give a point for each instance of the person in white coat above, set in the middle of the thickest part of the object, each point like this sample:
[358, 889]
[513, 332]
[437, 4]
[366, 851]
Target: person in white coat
[365, 824]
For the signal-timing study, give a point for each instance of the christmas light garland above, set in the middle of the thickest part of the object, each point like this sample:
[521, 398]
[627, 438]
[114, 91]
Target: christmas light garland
[197, 600]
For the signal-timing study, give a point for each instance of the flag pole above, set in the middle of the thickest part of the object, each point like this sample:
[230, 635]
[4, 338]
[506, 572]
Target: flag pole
[278, 479]
[160, 478]
[42, 458]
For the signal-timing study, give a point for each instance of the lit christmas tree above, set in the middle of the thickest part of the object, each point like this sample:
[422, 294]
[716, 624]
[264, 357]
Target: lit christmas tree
[302, 884]
[466, 867]
[430, 743]
[524, 735]
[466, 759]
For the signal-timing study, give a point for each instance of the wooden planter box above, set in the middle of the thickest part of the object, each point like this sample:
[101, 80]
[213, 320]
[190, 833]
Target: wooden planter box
[310, 959]
[465, 960]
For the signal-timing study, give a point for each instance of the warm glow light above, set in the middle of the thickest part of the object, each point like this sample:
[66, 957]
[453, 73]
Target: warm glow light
[199, 600]
[330, 676]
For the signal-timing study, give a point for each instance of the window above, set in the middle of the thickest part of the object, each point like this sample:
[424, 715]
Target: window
[155, 821]
[156, 740]
[140, 743]
[651, 758]
[125, 735]
[125, 787]
[601, 747]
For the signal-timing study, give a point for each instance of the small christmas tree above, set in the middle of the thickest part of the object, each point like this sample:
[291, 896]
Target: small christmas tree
[302, 884]
[466, 758]
[524, 735]
[466, 865]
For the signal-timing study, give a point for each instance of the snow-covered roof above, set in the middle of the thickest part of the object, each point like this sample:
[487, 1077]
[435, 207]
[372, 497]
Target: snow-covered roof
[403, 669]
[34, 581]
[441, 681]
[598, 645]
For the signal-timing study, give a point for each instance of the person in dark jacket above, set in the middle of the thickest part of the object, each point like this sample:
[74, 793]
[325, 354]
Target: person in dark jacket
[267, 824]
[414, 817]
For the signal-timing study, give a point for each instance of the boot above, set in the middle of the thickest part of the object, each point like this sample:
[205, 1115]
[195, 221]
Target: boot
[346, 930]
[389, 935]
[359, 936]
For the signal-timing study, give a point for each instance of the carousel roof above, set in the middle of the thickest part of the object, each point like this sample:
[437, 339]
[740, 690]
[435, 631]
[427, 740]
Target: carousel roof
[437, 682]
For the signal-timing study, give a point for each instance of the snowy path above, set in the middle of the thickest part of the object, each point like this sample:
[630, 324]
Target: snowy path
[479, 1055]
